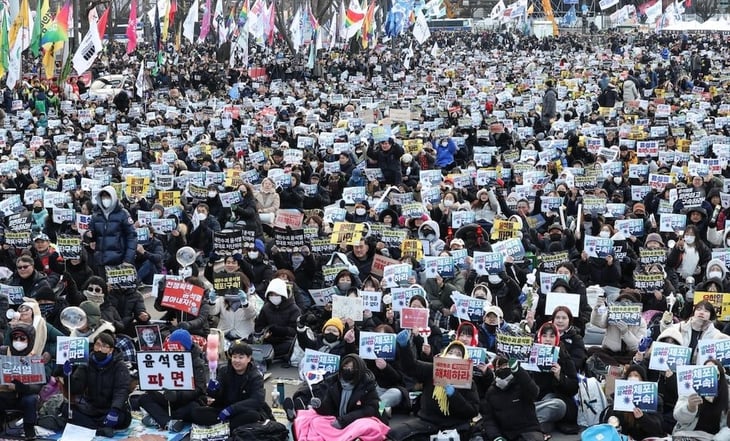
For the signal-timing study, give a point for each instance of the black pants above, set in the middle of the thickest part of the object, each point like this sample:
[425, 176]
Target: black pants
[156, 405]
[97, 422]
[208, 416]
[26, 403]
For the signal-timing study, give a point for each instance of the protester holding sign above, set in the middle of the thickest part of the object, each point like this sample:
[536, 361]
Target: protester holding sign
[192, 317]
[112, 230]
[28, 277]
[47, 259]
[690, 256]
[18, 395]
[621, 340]
[708, 414]
[277, 320]
[100, 389]
[638, 424]
[698, 327]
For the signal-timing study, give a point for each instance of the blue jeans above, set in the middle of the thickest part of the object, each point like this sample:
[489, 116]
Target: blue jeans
[146, 272]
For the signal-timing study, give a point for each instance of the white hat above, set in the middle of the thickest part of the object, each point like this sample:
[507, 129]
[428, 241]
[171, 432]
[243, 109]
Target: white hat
[494, 309]
[277, 286]
[406, 158]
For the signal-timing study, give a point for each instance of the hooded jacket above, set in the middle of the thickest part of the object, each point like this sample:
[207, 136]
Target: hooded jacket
[567, 386]
[281, 319]
[249, 396]
[436, 245]
[511, 411]
[113, 231]
[363, 402]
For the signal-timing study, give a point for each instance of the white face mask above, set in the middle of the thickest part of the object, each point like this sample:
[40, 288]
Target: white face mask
[689, 239]
[617, 180]
[715, 274]
[212, 194]
[359, 211]
[493, 279]
[106, 202]
[314, 164]
[275, 300]
[448, 203]
[202, 216]
[20, 345]
[253, 255]
[604, 234]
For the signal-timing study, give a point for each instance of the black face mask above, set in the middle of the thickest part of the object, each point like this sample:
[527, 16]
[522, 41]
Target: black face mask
[100, 356]
[561, 193]
[556, 237]
[330, 338]
[37, 209]
[617, 200]
[347, 375]
[502, 373]
[491, 328]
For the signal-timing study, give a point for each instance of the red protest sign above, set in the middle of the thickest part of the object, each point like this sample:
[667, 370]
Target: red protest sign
[413, 318]
[182, 296]
[454, 371]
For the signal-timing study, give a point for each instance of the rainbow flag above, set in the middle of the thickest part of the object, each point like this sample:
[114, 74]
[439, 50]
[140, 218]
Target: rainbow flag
[58, 30]
[368, 27]
[354, 17]
[243, 15]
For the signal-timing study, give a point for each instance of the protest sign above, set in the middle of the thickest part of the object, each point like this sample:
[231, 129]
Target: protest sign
[701, 380]
[488, 263]
[380, 262]
[228, 242]
[510, 247]
[542, 357]
[377, 345]
[453, 371]
[397, 275]
[122, 276]
[672, 223]
[503, 230]
[69, 247]
[316, 360]
[149, 338]
[442, 266]
[469, 308]
[713, 350]
[226, 283]
[26, 369]
[165, 370]
[598, 246]
[402, 297]
[413, 318]
[371, 300]
[182, 296]
[630, 227]
[514, 347]
[477, 354]
[329, 272]
[323, 296]
[19, 221]
[665, 356]
[648, 256]
[18, 239]
[75, 349]
[555, 299]
[288, 218]
[346, 233]
[649, 282]
[721, 302]
[629, 314]
[289, 240]
[347, 307]
[551, 261]
[631, 394]
[14, 293]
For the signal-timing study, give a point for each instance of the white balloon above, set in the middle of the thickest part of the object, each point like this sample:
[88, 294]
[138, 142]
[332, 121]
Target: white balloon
[185, 256]
[73, 317]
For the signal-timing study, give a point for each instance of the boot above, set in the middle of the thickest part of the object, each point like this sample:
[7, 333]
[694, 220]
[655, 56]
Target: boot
[29, 429]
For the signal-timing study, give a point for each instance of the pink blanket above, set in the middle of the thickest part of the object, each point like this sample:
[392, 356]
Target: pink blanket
[309, 426]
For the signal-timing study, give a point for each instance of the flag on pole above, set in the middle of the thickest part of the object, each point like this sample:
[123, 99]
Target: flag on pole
[42, 13]
[205, 26]
[141, 83]
[189, 23]
[171, 13]
[101, 25]
[271, 25]
[49, 58]
[497, 10]
[243, 15]
[368, 26]
[158, 30]
[132, 27]
[21, 27]
[89, 48]
[14, 62]
[421, 32]
[4, 44]
[354, 18]
[295, 30]
[58, 29]
[341, 20]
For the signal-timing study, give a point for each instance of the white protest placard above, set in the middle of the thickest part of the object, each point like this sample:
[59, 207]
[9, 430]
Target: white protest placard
[397, 275]
[316, 360]
[555, 299]
[165, 370]
[670, 223]
[371, 300]
[665, 356]
[402, 297]
[377, 345]
[347, 307]
[75, 349]
[713, 350]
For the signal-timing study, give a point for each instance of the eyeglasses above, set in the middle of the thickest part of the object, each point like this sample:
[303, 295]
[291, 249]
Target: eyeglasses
[95, 289]
[24, 267]
[99, 344]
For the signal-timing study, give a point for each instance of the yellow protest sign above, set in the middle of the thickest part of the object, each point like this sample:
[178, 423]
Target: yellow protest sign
[502, 230]
[136, 185]
[413, 146]
[346, 233]
[169, 198]
[721, 302]
[233, 177]
[413, 248]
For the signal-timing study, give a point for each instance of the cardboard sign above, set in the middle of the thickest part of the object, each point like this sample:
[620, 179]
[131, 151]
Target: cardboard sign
[514, 347]
[380, 262]
[26, 369]
[75, 349]
[701, 380]
[182, 296]
[165, 370]
[629, 314]
[123, 276]
[631, 394]
[665, 356]
[456, 372]
[413, 318]
[555, 299]
[377, 345]
[713, 350]
[347, 307]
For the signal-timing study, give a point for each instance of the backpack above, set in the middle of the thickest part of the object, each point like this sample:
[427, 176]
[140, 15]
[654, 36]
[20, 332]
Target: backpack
[600, 432]
[590, 401]
[269, 430]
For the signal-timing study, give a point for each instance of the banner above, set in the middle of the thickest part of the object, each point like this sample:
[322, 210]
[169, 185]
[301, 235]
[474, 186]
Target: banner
[456, 372]
[182, 296]
[27, 369]
[377, 345]
[165, 370]
[641, 394]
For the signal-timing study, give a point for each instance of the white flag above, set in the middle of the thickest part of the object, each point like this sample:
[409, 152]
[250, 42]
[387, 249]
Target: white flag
[189, 23]
[420, 28]
[435, 51]
[497, 10]
[14, 63]
[141, 83]
[217, 15]
[89, 48]
[295, 30]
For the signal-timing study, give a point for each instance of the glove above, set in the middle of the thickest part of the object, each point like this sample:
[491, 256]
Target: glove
[336, 424]
[67, 368]
[213, 386]
[243, 297]
[170, 395]
[403, 337]
[225, 414]
[531, 279]
[112, 418]
[212, 295]
[449, 390]
[20, 387]
[315, 402]
[667, 317]
[514, 365]
[644, 344]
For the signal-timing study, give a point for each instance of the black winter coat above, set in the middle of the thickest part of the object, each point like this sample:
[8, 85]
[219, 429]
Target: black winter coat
[510, 411]
[102, 388]
[363, 402]
[281, 320]
[250, 396]
[113, 231]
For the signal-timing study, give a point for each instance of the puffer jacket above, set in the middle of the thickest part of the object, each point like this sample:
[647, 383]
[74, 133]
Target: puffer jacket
[281, 320]
[102, 388]
[249, 396]
[113, 230]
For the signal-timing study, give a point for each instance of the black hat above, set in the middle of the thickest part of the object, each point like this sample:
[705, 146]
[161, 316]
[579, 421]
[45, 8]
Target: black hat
[240, 347]
[45, 293]
[639, 369]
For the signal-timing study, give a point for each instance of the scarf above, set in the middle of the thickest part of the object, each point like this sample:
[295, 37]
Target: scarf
[345, 398]
[439, 395]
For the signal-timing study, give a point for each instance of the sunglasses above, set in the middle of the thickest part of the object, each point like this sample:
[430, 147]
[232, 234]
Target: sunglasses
[95, 289]
[24, 267]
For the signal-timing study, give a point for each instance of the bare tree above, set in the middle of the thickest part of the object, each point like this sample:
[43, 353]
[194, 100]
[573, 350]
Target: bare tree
[285, 10]
[705, 9]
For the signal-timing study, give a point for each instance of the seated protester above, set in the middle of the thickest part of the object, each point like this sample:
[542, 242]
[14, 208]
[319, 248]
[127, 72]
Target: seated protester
[716, 270]
[101, 389]
[44, 344]
[689, 256]
[599, 271]
[301, 264]
[391, 383]
[18, 395]
[51, 306]
[28, 277]
[468, 334]
[667, 381]
[621, 340]
[238, 392]
[562, 286]
[494, 324]
[557, 387]
[96, 291]
[331, 340]
[261, 267]
[695, 414]
[439, 291]
[182, 403]
[95, 325]
[176, 319]
[570, 338]
[344, 406]
[516, 421]
[301, 298]
[236, 315]
[637, 424]
[428, 341]
[149, 258]
[442, 407]
[506, 293]
[656, 300]
[430, 233]
[698, 327]
[130, 305]
[277, 320]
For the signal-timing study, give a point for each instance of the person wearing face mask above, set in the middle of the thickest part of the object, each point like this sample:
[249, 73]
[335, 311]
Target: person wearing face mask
[195, 323]
[18, 395]
[429, 232]
[700, 326]
[215, 206]
[518, 421]
[704, 417]
[277, 320]
[410, 170]
[637, 424]
[112, 229]
[235, 313]
[618, 188]
[345, 406]
[261, 267]
[331, 340]
[599, 271]
[301, 297]
[39, 216]
[442, 407]
[321, 196]
[267, 201]
[50, 306]
[102, 387]
[300, 264]
[621, 339]
[246, 210]
[690, 256]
